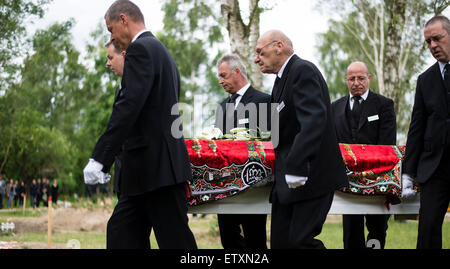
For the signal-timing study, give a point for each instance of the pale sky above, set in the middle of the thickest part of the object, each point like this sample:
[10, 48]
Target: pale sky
[296, 18]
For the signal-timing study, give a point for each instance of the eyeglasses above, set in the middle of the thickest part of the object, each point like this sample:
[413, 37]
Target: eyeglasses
[435, 38]
[359, 79]
[259, 51]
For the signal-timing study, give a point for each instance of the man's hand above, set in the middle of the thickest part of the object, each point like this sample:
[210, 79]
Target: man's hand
[93, 173]
[407, 186]
[295, 181]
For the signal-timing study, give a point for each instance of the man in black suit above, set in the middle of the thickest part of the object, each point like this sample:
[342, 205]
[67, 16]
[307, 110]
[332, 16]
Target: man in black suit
[233, 78]
[427, 159]
[115, 62]
[364, 117]
[155, 163]
[308, 162]
[245, 107]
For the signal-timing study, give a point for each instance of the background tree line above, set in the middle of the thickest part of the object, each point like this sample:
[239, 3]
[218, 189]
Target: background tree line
[55, 103]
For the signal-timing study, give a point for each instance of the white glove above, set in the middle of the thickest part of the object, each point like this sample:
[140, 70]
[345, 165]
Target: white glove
[105, 178]
[407, 186]
[295, 181]
[93, 172]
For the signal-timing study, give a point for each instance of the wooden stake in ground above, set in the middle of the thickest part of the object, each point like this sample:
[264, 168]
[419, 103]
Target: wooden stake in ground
[49, 226]
[24, 203]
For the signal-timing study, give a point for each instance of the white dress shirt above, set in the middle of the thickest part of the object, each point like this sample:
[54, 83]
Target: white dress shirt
[364, 97]
[280, 73]
[241, 93]
[138, 34]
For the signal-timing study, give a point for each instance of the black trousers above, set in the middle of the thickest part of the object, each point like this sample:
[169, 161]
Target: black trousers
[434, 201]
[353, 225]
[295, 226]
[253, 227]
[164, 210]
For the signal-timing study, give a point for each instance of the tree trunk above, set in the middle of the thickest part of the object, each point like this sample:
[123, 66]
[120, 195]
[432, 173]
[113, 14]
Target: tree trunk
[396, 11]
[254, 71]
[243, 37]
[11, 135]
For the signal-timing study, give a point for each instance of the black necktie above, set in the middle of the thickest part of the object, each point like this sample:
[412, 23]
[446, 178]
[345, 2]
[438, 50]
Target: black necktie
[447, 77]
[230, 113]
[447, 85]
[275, 88]
[356, 110]
[233, 98]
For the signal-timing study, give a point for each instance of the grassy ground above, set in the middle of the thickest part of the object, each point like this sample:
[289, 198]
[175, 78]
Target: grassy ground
[401, 234]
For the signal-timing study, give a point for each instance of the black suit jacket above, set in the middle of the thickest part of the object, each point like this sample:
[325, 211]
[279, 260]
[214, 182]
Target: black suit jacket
[141, 122]
[382, 131]
[118, 158]
[427, 135]
[307, 141]
[242, 112]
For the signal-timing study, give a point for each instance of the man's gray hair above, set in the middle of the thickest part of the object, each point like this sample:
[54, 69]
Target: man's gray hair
[440, 18]
[126, 7]
[234, 62]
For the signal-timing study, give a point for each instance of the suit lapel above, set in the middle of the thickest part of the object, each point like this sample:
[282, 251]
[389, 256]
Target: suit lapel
[118, 91]
[247, 96]
[147, 33]
[442, 95]
[284, 79]
[436, 71]
[341, 116]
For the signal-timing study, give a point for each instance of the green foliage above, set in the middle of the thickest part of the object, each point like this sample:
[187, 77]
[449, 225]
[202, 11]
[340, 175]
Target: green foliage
[55, 112]
[51, 77]
[193, 34]
[337, 49]
[37, 149]
[191, 31]
[13, 14]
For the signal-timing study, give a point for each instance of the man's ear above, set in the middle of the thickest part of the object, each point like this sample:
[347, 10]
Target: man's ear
[123, 53]
[123, 18]
[279, 47]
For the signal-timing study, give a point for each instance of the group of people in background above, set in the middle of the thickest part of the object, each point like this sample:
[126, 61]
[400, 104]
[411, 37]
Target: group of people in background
[38, 192]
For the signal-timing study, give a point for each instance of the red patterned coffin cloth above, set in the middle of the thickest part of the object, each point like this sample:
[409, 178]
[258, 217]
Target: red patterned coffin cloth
[222, 169]
[374, 170]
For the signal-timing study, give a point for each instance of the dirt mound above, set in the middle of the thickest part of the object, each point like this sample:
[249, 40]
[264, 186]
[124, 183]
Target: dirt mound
[66, 220]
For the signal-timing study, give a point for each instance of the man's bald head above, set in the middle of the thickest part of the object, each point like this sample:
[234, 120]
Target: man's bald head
[272, 50]
[358, 65]
[277, 35]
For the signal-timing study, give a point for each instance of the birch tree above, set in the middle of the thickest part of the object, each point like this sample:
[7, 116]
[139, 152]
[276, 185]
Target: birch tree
[243, 36]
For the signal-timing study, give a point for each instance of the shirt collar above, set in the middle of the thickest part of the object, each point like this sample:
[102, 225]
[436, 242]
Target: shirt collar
[280, 73]
[243, 90]
[138, 34]
[364, 96]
